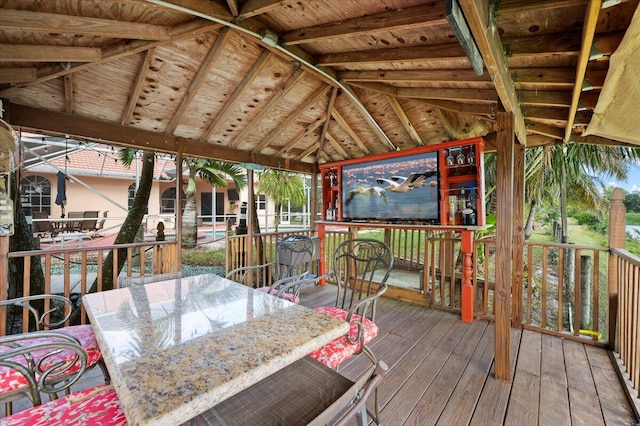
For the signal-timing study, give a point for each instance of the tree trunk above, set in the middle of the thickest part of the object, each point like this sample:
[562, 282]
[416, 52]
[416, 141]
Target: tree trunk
[189, 222]
[22, 240]
[132, 222]
[528, 228]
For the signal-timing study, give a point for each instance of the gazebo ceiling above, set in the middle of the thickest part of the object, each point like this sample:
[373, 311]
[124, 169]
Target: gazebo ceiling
[293, 83]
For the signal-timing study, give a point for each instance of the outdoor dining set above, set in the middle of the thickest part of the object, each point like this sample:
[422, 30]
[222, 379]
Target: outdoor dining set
[206, 349]
[88, 221]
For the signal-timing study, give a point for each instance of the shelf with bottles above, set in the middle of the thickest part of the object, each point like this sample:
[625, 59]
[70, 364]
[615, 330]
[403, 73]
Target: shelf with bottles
[462, 206]
[331, 194]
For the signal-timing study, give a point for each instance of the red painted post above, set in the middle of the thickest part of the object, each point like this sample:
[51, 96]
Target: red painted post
[467, 288]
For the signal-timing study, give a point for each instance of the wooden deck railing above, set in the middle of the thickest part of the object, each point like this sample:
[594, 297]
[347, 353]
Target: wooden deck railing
[84, 264]
[262, 252]
[628, 325]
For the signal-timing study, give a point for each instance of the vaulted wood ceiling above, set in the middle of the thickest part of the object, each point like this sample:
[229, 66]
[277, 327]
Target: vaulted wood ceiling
[293, 83]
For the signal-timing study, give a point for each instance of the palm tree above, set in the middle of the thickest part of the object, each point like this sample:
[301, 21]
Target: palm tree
[132, 222]
[282, 186]
[586, 167]
[216, 173]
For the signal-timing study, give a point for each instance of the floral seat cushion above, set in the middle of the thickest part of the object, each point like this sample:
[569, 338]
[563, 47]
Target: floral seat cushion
[287, 296]
[94, 406]
[11, 380]
[339, 350]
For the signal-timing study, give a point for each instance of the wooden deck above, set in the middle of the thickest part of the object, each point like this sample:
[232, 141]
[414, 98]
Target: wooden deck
[441, 373]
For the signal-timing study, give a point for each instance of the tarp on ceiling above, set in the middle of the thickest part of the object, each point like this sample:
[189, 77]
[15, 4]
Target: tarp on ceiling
[616, 113]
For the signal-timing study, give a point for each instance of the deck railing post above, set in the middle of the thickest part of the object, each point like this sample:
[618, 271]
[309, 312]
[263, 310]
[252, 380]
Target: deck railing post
[617, 238]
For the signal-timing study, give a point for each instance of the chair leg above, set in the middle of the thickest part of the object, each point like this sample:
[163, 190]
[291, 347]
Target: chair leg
[361, 416]
[105, 372]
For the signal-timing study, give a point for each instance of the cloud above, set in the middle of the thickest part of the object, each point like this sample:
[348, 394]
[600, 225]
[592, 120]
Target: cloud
[635, 188]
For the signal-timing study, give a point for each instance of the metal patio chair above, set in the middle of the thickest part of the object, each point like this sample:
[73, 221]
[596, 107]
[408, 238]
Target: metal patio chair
[59, 310]
[285, 276]
[361, 268]
[51, 362]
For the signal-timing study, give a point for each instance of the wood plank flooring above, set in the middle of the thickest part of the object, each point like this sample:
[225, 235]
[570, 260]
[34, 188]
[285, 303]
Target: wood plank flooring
[441, 373]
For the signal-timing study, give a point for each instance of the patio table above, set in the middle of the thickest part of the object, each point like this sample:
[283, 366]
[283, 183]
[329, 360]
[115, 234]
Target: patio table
[177, 348]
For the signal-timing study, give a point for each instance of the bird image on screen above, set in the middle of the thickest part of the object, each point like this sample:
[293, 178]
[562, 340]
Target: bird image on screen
[399, 188]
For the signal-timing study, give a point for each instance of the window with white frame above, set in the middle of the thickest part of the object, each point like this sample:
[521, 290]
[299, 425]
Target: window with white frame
[38, 190]
[262, 202]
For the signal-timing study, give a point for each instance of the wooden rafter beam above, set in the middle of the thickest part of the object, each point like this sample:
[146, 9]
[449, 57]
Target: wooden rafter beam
[509, 7]
[306, 132]
[467, 95]
[485, 33]
[258, 7]
[404, 120]
[141, 77]
[588, 31]
[325, 126]
[422, 16]
[130, 137]
[544, 98]
[267, 108]
[233, 7]
[42, 53]
[17, 75]
[310, 100]
[38, 22]
[220, 118]
[206, 7]
[117, 51]
[342, 122]
[451, 132]
[557, 116]
[481, 110]
[441, 52]
[310, 150]
[400, 77]
[199, 79]
[542, 129]
[336, 146]
[523, 78]
[68, 93]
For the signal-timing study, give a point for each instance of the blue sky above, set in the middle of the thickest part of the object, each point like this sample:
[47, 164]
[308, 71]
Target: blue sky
[633, 180]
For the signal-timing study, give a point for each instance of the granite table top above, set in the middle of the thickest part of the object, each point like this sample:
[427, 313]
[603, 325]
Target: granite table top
[178, 347]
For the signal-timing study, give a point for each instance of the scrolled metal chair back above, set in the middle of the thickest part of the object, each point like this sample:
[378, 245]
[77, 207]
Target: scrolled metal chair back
[294, 256]
[361, 268]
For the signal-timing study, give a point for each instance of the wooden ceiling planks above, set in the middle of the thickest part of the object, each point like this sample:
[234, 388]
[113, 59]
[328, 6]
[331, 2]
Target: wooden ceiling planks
[397, 58]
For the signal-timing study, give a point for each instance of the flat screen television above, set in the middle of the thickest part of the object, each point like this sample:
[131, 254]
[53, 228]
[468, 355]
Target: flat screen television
[392, 189]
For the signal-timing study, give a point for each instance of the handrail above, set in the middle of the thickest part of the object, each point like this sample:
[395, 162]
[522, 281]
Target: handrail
[161, 254]
[627, 340]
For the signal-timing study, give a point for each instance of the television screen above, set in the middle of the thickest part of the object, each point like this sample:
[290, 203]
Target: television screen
[393, 189]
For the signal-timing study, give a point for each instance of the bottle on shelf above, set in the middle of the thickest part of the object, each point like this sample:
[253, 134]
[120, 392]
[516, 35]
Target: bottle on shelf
[473, 198]
[453, 209]
[329, 214]
[462, 200]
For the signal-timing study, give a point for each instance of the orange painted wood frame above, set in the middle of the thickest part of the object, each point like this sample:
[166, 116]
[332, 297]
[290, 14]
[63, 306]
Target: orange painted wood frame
[467, 301]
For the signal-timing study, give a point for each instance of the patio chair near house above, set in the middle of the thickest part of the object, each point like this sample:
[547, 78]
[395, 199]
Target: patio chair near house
[42, 227]
[59, 361]
[76, 224]
[287, 274]
[15, 381]
[361, 268]
[100, 224]
[90, 222]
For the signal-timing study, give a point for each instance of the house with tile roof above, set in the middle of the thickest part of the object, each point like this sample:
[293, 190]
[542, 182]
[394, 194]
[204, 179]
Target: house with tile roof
[97, 180]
